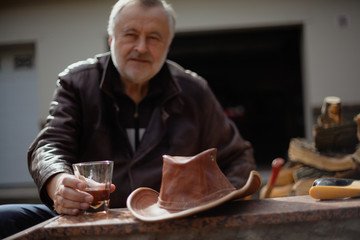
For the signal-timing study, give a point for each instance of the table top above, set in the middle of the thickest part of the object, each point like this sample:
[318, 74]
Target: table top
[243, 214]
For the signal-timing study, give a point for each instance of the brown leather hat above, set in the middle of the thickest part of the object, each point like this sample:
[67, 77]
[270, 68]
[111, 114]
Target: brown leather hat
[189, 185]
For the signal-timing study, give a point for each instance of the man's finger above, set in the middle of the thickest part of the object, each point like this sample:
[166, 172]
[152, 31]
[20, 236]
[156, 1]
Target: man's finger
[66, 211]
[75, 195]
[65, 203]
[112, 188]
[73, 182]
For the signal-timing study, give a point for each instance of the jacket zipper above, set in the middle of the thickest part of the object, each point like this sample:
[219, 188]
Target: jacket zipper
[136, 125]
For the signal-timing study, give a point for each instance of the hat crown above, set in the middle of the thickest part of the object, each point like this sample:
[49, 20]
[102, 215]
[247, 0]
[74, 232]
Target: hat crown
[189, 182]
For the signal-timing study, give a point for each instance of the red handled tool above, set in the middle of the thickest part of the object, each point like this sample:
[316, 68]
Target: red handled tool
[276, 166]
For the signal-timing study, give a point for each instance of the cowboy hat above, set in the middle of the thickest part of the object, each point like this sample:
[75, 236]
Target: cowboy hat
[189, 185]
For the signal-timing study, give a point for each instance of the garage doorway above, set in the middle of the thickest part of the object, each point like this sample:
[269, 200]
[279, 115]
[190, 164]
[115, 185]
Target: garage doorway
[256, 75]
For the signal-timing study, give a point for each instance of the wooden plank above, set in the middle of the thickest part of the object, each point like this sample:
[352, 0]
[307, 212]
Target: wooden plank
[341, 138]
[304, 152]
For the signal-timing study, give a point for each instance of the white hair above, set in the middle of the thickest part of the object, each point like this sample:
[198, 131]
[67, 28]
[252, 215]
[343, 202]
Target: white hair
[146, 3]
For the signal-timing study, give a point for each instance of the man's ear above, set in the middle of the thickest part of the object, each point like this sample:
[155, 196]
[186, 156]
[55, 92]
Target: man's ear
[169, 46]
[110, 41]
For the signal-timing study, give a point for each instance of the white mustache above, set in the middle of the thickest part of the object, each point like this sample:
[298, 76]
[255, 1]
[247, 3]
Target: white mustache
[139, 56]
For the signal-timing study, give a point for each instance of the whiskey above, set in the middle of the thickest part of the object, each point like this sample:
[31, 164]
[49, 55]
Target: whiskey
[101, 196]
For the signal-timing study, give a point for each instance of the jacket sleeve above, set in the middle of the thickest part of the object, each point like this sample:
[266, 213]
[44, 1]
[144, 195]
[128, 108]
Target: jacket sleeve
[235, 155]
[55, 147]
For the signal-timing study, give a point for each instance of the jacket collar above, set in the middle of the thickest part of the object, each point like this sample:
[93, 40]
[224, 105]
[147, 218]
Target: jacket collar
[110, 77]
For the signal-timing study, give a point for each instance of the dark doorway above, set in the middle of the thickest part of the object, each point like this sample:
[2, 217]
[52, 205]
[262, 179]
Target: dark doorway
[256, 75]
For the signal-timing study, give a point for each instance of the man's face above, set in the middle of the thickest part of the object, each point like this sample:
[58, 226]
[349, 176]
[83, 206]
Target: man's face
[140, 42]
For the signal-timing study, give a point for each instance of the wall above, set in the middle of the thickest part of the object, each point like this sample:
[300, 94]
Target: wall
[67, 31]
[331, 52]
[18, 121]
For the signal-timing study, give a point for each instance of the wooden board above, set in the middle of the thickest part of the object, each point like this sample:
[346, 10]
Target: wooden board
[304, 152]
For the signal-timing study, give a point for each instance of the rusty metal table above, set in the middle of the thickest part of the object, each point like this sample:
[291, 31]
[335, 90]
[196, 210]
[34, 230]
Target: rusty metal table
[298, 217]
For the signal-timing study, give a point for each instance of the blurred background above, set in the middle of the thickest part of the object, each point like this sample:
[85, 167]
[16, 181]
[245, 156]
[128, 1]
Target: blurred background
[270, 63]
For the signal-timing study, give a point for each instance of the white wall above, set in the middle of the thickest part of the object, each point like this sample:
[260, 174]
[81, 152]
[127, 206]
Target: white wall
[67, 31]
[64, 32]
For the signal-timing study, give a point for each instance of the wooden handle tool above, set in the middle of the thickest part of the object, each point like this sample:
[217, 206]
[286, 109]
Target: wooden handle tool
[335, 188]
[276, 166]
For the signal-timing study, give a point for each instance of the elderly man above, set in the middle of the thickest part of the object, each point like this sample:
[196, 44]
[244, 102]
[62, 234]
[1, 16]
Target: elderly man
[130, 106]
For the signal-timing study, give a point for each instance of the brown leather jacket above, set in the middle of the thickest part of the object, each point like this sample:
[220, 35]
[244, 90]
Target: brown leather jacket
[83, 126]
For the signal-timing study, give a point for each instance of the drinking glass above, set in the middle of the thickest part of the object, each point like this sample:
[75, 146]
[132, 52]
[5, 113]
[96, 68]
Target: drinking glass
[98, 177]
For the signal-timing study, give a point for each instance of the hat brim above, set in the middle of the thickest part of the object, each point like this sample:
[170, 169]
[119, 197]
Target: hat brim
[143, 201]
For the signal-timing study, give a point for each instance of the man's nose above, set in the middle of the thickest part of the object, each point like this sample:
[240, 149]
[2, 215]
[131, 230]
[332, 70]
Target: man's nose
[141, 45]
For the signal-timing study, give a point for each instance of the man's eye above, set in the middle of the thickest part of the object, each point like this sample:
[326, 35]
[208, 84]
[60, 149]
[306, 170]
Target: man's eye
[130, 35]
[154, 38]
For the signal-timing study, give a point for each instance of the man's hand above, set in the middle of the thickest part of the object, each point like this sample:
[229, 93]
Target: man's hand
[68, 194]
